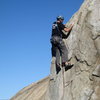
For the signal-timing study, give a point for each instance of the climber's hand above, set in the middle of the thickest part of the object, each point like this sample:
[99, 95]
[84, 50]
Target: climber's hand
[72, 25]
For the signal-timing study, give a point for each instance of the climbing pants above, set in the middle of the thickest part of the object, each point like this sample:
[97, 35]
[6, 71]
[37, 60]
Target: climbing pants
[59, 49]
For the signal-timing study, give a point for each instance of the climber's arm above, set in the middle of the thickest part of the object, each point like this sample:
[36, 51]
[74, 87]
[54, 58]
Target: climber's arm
[69, 28]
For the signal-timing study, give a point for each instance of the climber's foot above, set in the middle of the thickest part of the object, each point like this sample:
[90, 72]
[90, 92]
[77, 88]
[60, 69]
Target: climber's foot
[67, 65]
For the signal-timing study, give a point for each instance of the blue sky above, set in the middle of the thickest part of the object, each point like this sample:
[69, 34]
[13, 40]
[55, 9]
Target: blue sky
[25, 49]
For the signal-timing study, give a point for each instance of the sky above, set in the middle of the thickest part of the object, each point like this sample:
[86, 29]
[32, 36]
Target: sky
[25, 49]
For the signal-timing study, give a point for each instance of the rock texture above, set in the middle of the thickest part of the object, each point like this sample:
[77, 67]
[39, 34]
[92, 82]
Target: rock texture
[35, 91]
[82, 81]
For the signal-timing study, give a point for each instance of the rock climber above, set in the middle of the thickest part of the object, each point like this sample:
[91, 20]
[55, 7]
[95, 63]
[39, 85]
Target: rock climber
[58, 46]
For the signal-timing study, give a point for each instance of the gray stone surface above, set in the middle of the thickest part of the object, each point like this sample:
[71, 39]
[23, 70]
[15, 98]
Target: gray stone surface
[35, 91]
[79, 82]
[84, 48]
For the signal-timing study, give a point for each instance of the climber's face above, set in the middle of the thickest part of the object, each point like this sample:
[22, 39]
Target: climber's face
[61, 20]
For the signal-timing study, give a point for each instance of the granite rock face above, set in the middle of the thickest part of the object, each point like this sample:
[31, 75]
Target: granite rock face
[35, 91]
[82, 81]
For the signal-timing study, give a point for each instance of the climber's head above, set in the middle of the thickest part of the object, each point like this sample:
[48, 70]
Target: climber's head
[60, 18]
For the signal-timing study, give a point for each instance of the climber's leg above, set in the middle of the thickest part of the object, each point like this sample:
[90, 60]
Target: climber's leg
[53, 50]
[56, 53]
[57, 57]
[64, 54]
[63, 51]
